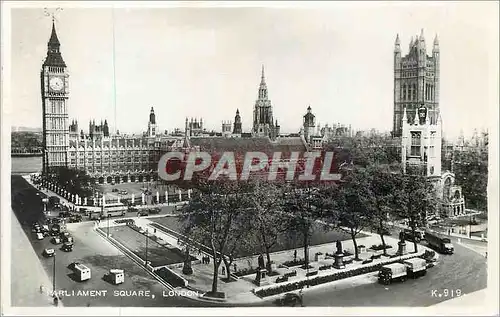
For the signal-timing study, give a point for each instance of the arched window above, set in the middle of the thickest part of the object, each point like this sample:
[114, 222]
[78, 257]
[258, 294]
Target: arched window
[414, 92]
[404, 92]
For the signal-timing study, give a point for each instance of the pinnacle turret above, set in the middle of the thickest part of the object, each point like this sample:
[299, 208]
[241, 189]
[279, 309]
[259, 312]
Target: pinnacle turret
[263, 86]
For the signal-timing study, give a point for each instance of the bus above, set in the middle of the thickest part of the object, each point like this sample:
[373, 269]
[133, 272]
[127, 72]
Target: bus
[113, 210]
[439, 242]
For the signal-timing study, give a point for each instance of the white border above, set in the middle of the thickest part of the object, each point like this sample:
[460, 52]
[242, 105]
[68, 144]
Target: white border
[490, 306]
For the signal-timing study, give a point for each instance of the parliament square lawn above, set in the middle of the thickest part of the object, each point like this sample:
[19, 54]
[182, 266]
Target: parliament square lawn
[319, 236]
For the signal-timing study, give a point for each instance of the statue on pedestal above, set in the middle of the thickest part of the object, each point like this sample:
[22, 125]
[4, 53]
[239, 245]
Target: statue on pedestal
[187, 269]
[261, 262]
[339, 247]
[402, 236]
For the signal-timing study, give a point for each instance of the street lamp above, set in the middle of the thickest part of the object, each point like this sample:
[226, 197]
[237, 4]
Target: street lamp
[54, 277]
[146, 262]
[470, 225]
[108, 224]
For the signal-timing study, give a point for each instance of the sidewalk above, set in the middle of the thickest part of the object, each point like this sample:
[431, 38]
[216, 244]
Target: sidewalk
[74, 206]
[27, 273]
[451, 234]
[240, 291]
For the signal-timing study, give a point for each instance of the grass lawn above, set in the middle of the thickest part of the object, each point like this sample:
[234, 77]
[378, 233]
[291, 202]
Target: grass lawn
[136, 242]
[285, 241]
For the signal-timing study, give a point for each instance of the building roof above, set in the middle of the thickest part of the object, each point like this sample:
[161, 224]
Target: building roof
[248, 144]
[54, 57]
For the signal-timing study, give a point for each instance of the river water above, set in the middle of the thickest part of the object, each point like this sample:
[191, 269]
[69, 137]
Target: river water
[26, 165]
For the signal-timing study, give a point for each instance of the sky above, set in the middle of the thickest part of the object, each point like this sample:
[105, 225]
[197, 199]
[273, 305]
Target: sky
[206, 62]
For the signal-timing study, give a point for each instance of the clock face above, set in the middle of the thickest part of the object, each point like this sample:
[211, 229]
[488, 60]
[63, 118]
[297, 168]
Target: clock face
[56, 83]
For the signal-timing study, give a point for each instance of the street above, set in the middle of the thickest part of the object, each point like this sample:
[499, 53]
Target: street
[94, 252]
[464, 271]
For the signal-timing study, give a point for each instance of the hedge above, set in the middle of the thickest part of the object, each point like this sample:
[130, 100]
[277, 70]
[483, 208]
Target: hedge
[380, 247]
[294, 263]
[170, 277]
[322, 279]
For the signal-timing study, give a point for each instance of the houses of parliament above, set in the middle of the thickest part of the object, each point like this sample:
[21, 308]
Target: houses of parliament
[109, 157]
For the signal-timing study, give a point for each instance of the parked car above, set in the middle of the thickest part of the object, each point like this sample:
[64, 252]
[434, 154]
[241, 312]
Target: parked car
[290, 299]
[123, 192]
[40, 236]
[56, 240]
[67, 247]
[143, 212]
[64, 214]
[49, 252]
[154, 210]
[408, 234]
[114, 190]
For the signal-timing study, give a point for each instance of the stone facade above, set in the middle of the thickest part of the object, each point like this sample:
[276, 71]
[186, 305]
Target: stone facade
[416, 80]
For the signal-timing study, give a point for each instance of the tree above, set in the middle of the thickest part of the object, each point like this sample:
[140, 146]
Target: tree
[304, 203]
[216, 216]
[75, 181]
[383, 185]
[471, 172]
[416, 199]
[267, 216]
[353, 206]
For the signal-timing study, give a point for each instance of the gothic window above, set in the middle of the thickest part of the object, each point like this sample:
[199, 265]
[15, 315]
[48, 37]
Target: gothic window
[404, 92]
[415, 144]
[414, 92]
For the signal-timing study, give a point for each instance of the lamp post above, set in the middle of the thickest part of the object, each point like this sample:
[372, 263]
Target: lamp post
[108, 225]
[54, 277]
[470, 225]
[146, 262]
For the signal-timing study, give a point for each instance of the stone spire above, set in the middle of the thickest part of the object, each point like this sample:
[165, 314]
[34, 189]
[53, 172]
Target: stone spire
[436, 44]
[263, 86]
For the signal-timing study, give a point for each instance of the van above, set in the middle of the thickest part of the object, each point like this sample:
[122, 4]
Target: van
[116, 276]
[39, 236]
[82, 272]
[416, 267]
[392, 272]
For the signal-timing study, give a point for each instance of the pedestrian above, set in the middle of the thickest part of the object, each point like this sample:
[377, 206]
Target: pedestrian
[208, 260]
[486, 254]
[223, 270]
[234, 267]
[301, 295]
[41, 289]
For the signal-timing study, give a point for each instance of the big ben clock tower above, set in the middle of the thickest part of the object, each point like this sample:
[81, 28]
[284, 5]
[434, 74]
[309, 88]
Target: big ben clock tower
[55, 89]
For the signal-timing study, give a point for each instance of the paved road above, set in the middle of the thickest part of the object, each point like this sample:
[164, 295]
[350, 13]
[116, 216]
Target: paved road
[93, 251]
[465, 271]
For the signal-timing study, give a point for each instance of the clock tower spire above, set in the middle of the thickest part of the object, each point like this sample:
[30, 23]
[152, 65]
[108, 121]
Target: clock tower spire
[54, 92]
